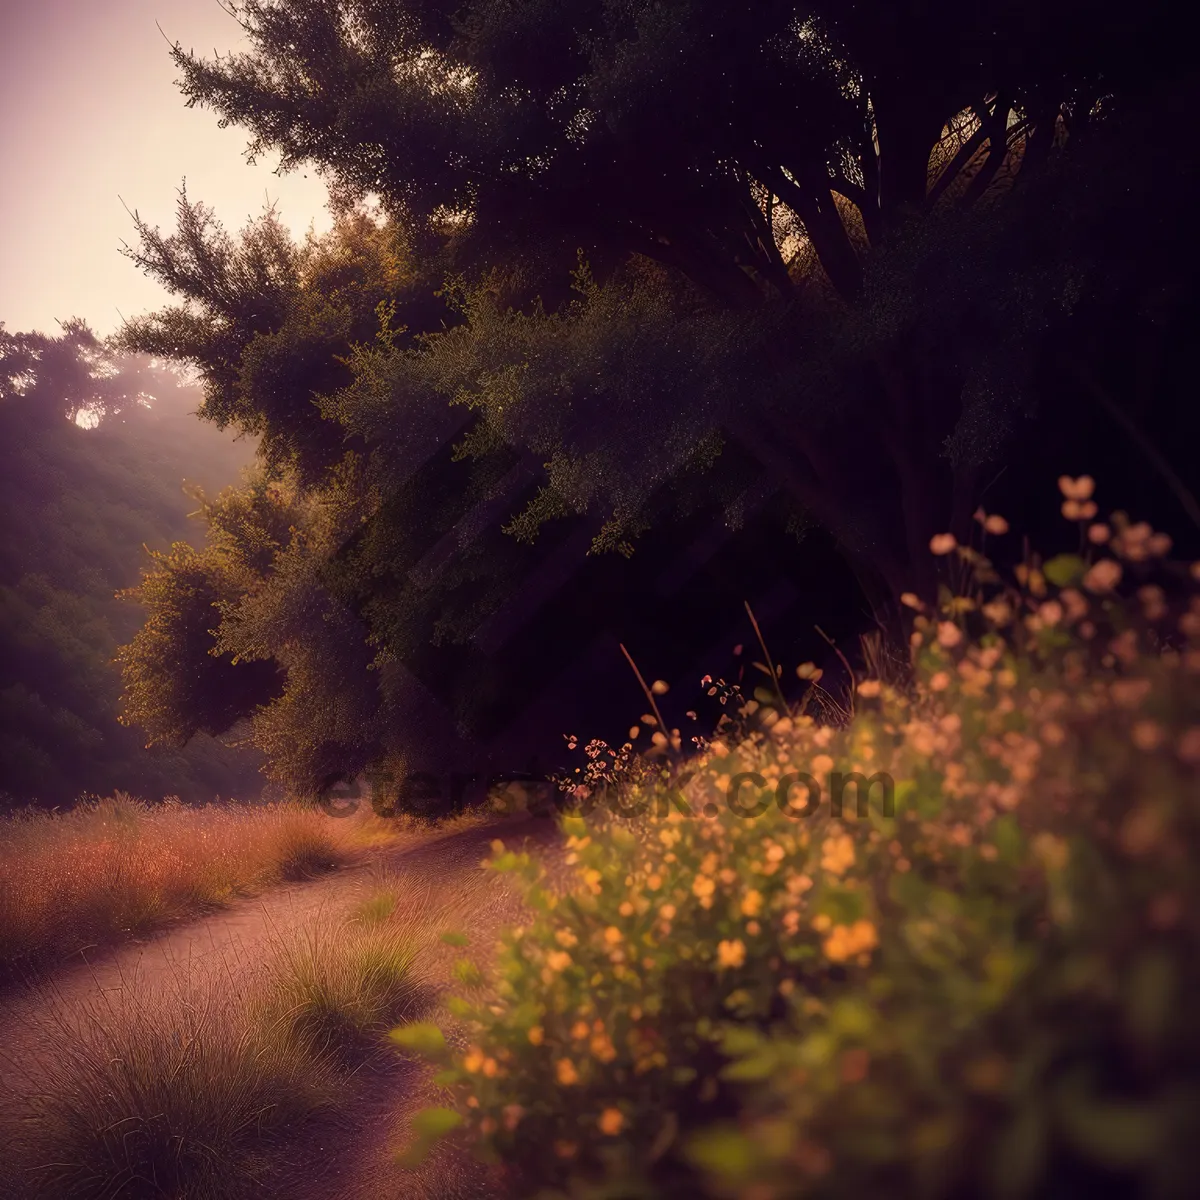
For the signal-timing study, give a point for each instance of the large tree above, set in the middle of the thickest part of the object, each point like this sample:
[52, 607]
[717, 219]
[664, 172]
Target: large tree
[813, 158]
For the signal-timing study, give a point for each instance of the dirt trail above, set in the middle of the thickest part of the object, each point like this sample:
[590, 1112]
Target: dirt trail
[347, 1156]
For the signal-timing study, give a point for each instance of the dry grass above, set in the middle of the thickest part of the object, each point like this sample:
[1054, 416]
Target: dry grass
[178, 1092]
[334, 989]
[117, 866]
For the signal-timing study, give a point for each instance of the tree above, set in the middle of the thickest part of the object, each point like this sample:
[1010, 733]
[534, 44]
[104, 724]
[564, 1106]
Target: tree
[93, 449]
[777, 155]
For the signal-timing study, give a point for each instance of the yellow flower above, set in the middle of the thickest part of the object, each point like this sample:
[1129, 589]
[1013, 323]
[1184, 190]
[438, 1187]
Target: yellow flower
[536, 1035]
[703, 887]
[474, 1060]
[847, 941]
[626, 909]
[731, 953]
[611, 1121]
[667, 912]
[558, 960]
[612, 935]
[602, 1048]
[565, 1072]
[564, 937]
[837, 854]
[752, 903]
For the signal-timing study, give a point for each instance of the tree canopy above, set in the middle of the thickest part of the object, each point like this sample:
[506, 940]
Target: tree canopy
[637, 264]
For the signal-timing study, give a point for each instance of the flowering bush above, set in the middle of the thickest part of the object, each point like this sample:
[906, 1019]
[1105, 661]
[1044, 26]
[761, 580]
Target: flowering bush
[976, 979]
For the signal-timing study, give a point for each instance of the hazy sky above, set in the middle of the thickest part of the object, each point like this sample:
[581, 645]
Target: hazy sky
[89, 116]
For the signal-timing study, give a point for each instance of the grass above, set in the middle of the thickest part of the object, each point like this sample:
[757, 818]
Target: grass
[333, 989]
[113, 867]
[171, 1094]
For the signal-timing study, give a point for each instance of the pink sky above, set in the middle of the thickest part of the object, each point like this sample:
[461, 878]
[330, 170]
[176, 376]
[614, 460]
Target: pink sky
[89, 116]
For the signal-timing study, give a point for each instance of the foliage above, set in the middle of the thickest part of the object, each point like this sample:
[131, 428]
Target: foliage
[985, 990]
[828, 170]
[95, 448]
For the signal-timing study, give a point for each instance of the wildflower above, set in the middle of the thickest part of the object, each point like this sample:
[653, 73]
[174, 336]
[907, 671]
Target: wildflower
[1103, 576]
[703, 888]
[869, 688]
[995, 524]
[667, 912]
[536, 1035]
[660, 687]
[1099, 533]
[654, 882]
[602, 1048]
[1075, 510]
[1050, 612]
[998, 611]
[626, 909]
[611, 1121]
[612, 935]
[752, 903]
[473, 1061]
[565, 1073]
[942, 543]
[911, 600]
[848, 941]
[939, 682]
[580, 1030]
[837, 854]
[558, 960]
[949, 635]
[775, 852]
[823, 763]
[731, 953]
[564, 937]
[1147, 735]
[1077, 489]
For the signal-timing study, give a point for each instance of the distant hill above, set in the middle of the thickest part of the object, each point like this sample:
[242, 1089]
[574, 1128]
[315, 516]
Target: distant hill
[95, 450]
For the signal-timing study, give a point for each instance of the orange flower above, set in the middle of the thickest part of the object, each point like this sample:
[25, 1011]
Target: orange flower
[611, 1121]
[731, 953]
[565, 1072]
[942, 543]
[1077, 489]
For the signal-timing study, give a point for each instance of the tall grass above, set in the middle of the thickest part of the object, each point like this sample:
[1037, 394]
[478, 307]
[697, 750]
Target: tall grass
[177, 1093]
[117, 866]
[333, 989]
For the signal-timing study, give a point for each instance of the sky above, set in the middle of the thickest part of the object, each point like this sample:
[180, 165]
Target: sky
[90, 117]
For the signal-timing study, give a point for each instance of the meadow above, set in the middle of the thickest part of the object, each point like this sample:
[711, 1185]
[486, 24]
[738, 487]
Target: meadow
[110, 868]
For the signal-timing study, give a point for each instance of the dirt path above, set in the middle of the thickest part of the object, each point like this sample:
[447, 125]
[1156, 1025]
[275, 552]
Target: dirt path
[347, 1156]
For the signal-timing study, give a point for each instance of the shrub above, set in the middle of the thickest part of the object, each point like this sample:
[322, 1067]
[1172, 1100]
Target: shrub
[986, 991]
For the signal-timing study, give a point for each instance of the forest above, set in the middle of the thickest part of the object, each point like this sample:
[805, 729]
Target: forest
[696, 574]
[95, 450]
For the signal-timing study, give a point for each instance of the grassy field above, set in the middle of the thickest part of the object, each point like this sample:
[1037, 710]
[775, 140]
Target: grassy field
[115, 867]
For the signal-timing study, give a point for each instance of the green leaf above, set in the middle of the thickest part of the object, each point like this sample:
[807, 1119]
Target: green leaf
[421, 1037]
[724, 1151]
[1064, 569]
[429, 1125]
[435, 1122]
